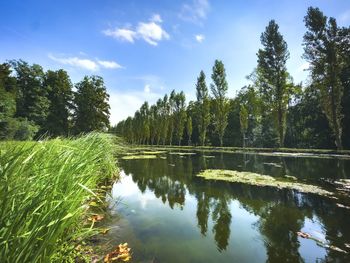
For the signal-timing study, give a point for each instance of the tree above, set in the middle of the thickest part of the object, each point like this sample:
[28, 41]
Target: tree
[129, 130]
[345, 79]
[159, 117]
[145, 129]
[180, 115]
[171, 115]
[7, 100]
[153, 123]
[189, 129]
[203, 114]
[243, 120]
[164, 112]
[322, 49]
[60, 94]
[273, 76]
[32, 100]
[221, 106]
[7, 93]
[91, 105]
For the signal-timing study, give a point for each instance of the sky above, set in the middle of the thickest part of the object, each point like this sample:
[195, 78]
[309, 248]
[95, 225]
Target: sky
[144, 49]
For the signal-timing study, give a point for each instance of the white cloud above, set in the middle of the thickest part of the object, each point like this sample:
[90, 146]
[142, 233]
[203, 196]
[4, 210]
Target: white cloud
[147, 88]
[109, 64]
[85, 63]
[156, 18]
[200, 38]
[124, 104]
[121, 34]
[151, 32]
[195, 12]
[76, 62]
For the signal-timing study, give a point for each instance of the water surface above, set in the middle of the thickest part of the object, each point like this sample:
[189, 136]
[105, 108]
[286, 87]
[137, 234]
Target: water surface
[167, 214]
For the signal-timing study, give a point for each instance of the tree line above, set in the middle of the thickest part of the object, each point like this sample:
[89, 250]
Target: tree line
[272, 111]
[35, 103]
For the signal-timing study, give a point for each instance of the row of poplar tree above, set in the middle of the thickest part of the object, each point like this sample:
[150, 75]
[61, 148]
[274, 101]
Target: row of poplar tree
[272, 111]
[35, 103]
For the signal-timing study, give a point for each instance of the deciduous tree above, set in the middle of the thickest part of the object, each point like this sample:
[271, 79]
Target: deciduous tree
[221, 106]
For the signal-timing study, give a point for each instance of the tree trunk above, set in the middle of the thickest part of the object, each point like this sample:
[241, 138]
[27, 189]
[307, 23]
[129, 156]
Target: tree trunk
[337, 132]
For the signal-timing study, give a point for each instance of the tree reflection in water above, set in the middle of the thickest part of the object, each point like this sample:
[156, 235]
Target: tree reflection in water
[281, 212]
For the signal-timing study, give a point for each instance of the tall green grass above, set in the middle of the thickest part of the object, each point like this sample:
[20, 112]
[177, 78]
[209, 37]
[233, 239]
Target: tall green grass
[44, 187]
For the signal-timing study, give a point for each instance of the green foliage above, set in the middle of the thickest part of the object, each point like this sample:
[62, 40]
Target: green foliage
[60, 95]
[179, 115]
[171, 117]
[43, 188]
[91, 105]
[32, 100]
[18, 129]
[221, 106]
[243, 121]
[189, 129]
[324, 51]
[203, 110]
[35, 103]
[273, 77]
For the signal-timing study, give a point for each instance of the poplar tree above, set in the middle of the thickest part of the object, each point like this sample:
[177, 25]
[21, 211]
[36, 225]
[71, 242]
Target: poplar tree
[273, 76]
[203, 113]
[145, 127]
[180, 115]
[165, 108]
[171, 115]
[221, 106]
[189, 129]
[322, 49]
[243, 120]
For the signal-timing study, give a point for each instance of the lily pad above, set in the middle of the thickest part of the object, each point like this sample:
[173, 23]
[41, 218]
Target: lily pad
[261, 180]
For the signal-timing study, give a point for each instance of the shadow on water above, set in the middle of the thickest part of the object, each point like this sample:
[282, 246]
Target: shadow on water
[174, 216]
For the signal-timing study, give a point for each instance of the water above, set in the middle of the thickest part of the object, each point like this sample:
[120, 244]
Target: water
[167, 214]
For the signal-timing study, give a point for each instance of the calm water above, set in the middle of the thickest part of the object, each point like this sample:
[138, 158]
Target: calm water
[167, 214]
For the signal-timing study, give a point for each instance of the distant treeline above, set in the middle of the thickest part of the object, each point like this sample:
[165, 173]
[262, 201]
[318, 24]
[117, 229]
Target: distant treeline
[35, 103]
[272, 111]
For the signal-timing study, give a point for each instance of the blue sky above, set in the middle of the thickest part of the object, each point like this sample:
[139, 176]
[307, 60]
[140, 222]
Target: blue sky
[144, 49]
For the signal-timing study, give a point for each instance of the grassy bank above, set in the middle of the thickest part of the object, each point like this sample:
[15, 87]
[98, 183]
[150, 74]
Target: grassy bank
[44, 191]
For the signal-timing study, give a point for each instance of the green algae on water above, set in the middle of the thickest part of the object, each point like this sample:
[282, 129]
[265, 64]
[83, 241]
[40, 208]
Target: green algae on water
[153, 152]
[137, 157]
[261, 180]
[182, 153]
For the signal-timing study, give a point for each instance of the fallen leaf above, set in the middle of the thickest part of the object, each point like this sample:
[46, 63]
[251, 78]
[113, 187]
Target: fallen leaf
[121, 253]
[96, 218]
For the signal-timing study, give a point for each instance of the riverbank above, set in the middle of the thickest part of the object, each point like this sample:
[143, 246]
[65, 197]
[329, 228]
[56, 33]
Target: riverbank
[49, 193]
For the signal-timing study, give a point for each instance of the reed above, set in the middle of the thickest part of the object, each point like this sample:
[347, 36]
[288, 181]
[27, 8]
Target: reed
[44, 188]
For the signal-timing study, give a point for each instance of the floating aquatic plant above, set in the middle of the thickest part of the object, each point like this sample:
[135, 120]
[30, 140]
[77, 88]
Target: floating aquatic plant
[261, 180]
[136, 157]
